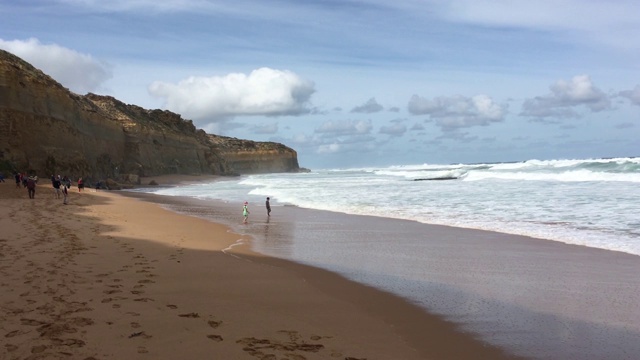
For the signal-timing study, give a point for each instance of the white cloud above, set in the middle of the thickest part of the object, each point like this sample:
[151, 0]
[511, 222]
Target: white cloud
[149, 5]
[371, 106]
[348, 127]
[632, 95]
[625, 125]
[81, 73]
[396, 129]
[264, 91]
[358, 143]
[607, 22]
[565, 97]
[329, 148]
[455, 112]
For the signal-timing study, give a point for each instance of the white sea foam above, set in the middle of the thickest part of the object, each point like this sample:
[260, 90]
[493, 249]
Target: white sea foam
[591, 202]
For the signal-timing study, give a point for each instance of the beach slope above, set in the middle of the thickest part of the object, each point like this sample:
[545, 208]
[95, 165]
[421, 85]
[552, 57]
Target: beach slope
[111, 277]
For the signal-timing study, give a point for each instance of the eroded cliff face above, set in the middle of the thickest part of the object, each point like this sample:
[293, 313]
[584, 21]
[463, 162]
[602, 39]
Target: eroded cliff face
[46, 129]
[255, 157]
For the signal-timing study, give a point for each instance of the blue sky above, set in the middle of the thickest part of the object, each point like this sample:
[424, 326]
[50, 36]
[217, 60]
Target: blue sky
[358, 83]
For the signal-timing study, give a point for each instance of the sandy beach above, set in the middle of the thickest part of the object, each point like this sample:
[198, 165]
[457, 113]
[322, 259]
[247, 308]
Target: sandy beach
[111, 277]
[536, 298]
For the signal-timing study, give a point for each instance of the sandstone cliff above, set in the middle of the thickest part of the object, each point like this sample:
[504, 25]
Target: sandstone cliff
[46, 129]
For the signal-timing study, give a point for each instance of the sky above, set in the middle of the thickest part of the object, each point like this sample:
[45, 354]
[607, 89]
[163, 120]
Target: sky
[359, 83]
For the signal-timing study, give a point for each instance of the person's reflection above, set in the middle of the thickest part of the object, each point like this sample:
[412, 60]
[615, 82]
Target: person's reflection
[266, 230]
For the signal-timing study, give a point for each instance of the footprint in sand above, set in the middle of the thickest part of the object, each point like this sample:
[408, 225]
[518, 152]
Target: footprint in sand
[31, 322]
[135, 325]
[38, 349]
[137, 292]
[172, 306]
[217, 338]
[214, 324]
[74, 343]
[14, 333]
[143, 299]
[256, 347]
[190, 315]
[141, 334]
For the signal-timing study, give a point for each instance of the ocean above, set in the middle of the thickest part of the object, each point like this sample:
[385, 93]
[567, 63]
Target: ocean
[592, 202]
[516, 286]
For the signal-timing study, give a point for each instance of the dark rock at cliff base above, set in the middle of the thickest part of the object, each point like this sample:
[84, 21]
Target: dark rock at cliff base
[46, 129]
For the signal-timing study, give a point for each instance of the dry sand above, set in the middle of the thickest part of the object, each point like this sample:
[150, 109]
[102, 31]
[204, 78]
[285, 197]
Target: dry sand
[111, 277]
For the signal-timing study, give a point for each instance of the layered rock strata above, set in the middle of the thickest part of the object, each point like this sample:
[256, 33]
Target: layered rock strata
[46, 129]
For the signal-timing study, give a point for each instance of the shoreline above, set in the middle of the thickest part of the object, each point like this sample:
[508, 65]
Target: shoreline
[536, 298]
[110, 277]
[169, 181]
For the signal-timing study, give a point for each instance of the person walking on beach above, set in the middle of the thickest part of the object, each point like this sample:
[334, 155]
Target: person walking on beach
[268, 207]
[31, 187]
[80, 185]
[65, 192]
[56, 186]
[245, 212]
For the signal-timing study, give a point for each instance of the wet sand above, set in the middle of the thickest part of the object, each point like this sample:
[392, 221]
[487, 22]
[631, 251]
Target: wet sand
[534, 298]
[111, 277]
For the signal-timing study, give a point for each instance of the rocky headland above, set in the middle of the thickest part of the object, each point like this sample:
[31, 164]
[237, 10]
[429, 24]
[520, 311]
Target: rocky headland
[46, 129]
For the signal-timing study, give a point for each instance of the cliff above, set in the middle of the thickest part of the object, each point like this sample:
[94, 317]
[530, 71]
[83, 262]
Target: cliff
[46, 129]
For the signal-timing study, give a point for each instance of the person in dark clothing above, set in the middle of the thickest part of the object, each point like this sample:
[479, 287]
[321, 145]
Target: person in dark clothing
[268, 205]
[31, 187]
[56, 186]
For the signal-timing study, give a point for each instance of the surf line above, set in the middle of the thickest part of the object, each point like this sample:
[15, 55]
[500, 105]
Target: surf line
[228, 250]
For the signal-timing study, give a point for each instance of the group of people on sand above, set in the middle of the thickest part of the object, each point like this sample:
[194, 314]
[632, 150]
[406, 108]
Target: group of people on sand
[245, 210]
[28, 182]
[60, 184]
[61, 187]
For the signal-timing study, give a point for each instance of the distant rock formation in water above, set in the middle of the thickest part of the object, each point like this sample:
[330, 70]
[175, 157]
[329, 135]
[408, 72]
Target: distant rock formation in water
[46, 129]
